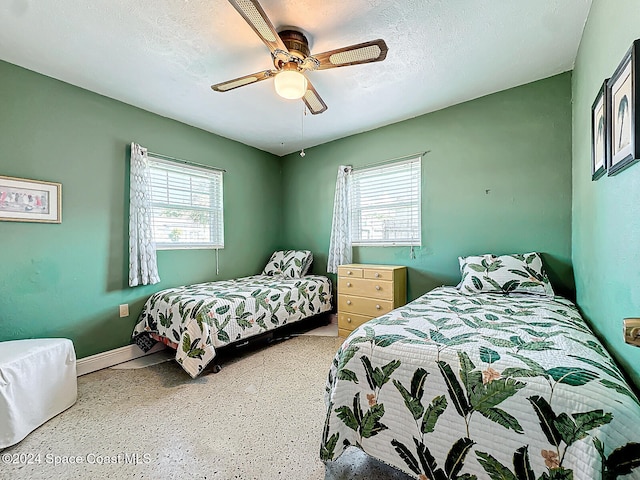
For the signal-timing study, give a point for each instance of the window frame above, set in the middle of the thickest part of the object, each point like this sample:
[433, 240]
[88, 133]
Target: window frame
[216, 212]
[417, 242]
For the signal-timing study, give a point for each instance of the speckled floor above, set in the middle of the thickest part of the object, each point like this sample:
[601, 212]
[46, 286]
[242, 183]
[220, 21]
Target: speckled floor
[259, 418]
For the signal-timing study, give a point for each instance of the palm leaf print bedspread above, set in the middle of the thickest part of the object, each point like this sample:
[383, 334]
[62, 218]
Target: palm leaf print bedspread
[204, 316]
[488, 386]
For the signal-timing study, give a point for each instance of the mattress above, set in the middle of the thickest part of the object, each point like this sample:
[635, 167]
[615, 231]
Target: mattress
[483, 386]
[202, 317]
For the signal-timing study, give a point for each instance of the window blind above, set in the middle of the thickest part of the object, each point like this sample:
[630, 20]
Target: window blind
[385, 204]
[187, 204]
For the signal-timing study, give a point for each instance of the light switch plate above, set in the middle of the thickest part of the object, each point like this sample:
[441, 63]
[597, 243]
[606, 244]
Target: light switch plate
[124, 310]
[632, 331]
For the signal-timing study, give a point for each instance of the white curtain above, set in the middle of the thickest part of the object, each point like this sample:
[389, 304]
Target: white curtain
[143, 265]
[340, 244]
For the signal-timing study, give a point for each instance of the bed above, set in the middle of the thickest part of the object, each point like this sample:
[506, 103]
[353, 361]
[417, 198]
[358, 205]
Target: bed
[198, 319]
[463, 384]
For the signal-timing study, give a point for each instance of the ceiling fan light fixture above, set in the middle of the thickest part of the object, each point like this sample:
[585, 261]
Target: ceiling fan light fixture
[292, 58]
[290, 84]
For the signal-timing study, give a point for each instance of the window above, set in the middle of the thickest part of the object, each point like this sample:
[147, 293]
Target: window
[385, 204]
[186, 205]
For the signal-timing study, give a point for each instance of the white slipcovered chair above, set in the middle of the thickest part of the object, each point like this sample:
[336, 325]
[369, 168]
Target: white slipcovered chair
[37, 382]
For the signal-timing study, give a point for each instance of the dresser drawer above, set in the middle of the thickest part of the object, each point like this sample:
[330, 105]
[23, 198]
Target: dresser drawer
[365, 287]
[350, 321]
[364, 306]
[378, 274]
[346, 271]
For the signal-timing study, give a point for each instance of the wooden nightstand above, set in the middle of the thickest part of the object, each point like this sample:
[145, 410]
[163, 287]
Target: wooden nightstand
[368, 291]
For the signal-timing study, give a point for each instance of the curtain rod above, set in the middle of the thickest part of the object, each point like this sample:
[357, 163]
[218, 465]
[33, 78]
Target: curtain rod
[397, 159]
[187, 162]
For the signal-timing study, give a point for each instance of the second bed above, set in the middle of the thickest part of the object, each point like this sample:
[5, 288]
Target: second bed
[197, 319]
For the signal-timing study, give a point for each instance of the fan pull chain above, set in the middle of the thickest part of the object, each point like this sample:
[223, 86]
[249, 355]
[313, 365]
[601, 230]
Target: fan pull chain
[304, 114]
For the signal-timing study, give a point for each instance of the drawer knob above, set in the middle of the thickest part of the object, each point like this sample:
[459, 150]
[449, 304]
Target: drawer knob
[349, 319]
[377, 275]
[348, 302]
[348, 272]
[378, 307]
[348, 284]
[377, 287]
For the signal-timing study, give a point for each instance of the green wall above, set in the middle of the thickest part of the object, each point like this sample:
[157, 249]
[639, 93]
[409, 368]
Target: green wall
[68, 279]
[606, 213]
[497, 178]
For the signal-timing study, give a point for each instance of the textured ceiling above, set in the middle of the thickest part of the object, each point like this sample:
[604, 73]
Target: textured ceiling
[163, 55]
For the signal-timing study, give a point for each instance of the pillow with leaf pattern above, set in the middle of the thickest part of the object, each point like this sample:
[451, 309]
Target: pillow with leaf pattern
[518, 273]
[290, 263]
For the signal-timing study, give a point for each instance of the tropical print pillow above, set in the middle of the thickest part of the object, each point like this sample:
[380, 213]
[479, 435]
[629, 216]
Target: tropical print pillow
[518, 273]
[290, 263]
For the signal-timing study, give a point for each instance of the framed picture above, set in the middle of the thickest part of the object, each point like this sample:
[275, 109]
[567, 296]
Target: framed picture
[23, 200]
[623, 93]
[600, 133]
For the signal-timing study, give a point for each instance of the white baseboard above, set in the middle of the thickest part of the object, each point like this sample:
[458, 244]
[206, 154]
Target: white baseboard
[113, 357]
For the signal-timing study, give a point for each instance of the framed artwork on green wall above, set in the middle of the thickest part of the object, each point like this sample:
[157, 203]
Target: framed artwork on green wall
[623, 90]
[23, 200]
[600, 133]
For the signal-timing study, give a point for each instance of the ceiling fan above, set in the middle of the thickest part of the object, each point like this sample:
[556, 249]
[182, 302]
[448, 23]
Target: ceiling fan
[291, 58]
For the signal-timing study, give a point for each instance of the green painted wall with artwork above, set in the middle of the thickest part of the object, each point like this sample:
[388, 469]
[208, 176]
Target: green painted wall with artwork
[606, 213]
[497, 179]
[68, 279]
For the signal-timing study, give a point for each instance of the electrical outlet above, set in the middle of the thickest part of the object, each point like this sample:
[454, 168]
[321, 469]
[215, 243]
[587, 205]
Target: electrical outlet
[632, 331]
[124, 310]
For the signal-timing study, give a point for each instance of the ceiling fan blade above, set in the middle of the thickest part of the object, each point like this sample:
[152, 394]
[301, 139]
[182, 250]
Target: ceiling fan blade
[242, 81]
[312, 100]
[374, 51]
[254, 15]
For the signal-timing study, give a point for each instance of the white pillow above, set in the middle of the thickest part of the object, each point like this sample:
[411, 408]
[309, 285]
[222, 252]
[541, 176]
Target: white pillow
[518, 273]
[290, 263]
